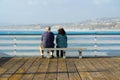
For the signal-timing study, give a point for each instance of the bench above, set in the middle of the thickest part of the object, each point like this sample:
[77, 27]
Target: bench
[64, 55]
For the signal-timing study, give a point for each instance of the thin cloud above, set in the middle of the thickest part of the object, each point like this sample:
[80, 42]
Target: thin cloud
[46, 2]
[38, 2]
[101, 2]
[33, 2]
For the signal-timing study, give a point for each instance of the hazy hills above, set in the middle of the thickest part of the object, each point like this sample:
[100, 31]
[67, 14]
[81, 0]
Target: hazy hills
[93, 24]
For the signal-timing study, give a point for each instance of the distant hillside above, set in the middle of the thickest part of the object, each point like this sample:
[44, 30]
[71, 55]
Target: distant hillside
[93, 24]
[96, 24]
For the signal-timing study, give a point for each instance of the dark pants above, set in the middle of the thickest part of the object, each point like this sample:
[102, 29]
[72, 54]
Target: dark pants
[59, 51]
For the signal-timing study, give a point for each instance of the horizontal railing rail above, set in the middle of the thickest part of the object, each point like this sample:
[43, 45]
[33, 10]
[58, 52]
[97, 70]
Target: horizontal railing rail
[5, 32]
[26, 43]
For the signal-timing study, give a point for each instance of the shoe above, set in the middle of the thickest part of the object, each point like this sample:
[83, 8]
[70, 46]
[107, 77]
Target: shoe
[52, 56]
[61, 56]
[42, 56]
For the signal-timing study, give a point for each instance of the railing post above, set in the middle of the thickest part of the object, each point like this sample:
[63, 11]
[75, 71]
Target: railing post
[14, 46]
[95, 44]
[80, 54]
[64, 54]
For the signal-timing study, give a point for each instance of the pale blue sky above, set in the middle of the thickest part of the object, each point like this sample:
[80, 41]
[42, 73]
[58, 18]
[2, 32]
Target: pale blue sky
[56, 11]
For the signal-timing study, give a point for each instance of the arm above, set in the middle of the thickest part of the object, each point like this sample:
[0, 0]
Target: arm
[42, 38]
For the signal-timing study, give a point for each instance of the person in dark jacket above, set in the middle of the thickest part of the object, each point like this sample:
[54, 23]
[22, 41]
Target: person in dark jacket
[47, 41]
[61, 41]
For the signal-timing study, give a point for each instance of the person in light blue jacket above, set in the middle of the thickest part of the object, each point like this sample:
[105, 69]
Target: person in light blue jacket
[61, 41]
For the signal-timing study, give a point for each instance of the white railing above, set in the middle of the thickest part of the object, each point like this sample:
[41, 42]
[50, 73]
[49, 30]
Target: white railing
[97, 44]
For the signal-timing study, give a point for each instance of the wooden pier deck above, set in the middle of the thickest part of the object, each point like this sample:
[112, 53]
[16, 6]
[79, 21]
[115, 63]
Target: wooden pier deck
[60, 69]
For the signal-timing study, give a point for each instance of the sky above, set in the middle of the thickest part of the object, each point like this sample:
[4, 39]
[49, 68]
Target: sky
[56, 11]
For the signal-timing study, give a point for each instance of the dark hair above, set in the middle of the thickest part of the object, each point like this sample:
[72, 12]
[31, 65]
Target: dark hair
[61, 31]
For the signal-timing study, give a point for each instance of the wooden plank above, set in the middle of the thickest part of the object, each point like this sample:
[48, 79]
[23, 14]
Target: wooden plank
[72, 71]
[52, 70]
[7, 65]
[102, 66]
[18, 73]
[31, 70]
[42, 70]
[96, 75]
[108, 41]
[27, 41]
[6, 41]
[81, 41]
[115, 62]
[3, 61]
[77, 49]
[108, 48]
[114, 70]
[28, 48]
[13, 69]
[22, 70]
[62, 70]
[3, 78]
[2, 70]
[82, 70]
[7, 48]
[70, 48]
